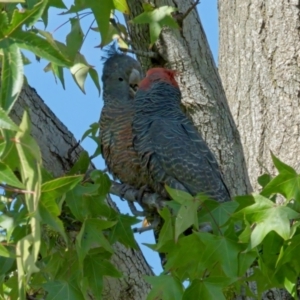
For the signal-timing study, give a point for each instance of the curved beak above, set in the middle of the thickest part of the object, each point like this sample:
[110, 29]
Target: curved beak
[134, 79]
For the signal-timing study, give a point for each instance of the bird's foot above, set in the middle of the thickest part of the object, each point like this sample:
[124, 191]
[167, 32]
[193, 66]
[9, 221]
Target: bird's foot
[124, 188]
[134, 211]
[141, 192]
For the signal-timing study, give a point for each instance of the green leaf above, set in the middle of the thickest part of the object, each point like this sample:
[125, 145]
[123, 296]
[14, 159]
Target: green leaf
[222, 250]
[74, 39]
[185, 257]
[49, 212]
[80, 199]
[81, 165]
[179, 196]
[6, 122]
[264, 179]
[103, 180]
[26, 17]
[268, 216]
[94, 127]
[157, 18]
[166, 233]
[122, 6]
[122, 231]
[291, 254]
[57, 187]
[164, 287]
[287, 182]
[40, 47]
[4, 252]
[27, 249]
[217, 214]
[57, 71]
[94, 75]
[186, 217]
[91, 236]
[11, 78]
[7, 176]
[79, 72]
[101, 10]
[208, 289]
[63, 290]
[95, 267]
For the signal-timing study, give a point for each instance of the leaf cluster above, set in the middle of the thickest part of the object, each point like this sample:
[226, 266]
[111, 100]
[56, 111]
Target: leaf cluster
[253, 231]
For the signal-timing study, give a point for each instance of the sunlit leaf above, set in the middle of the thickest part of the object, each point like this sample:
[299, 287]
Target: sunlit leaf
[11, 75]
[157, 18]
[75, 38]
[7, 176]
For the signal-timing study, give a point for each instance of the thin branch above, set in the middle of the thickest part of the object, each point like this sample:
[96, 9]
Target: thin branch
[18, 191]
[152, 201]
[179, 17]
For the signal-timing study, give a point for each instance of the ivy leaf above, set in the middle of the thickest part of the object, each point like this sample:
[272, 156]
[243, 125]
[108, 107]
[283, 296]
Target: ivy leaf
[156, 18]
[164, 287]
[287, 182]
[268, 216]
[122, 231]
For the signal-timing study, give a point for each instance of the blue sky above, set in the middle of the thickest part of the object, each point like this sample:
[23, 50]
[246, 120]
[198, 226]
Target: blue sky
[77, 111]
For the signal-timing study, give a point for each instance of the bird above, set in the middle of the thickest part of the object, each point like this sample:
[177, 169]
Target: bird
[121, 74]
[170, 148]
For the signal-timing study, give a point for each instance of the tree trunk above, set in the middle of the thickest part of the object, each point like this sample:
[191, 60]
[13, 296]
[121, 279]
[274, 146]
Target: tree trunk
[259, 63]
[55, 141]
[187, 51]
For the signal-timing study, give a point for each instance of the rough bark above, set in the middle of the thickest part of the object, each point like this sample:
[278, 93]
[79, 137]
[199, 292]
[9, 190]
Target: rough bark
[187, 51]
[55, 141]
[259, 63]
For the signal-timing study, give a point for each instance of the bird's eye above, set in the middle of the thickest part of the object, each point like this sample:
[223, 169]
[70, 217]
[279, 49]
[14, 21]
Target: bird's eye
[121, 79]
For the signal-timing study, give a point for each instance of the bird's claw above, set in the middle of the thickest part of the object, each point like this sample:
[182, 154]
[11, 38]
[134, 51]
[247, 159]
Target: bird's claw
[141, 192]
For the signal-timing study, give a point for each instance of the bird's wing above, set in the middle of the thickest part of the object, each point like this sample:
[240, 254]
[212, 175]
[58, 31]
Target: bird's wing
[181, 157]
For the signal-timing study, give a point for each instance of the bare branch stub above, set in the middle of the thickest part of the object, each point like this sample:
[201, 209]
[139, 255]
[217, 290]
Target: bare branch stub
[179, 17]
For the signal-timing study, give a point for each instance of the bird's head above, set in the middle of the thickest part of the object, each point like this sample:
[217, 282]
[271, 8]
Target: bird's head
[121, 76]
[155, 75]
